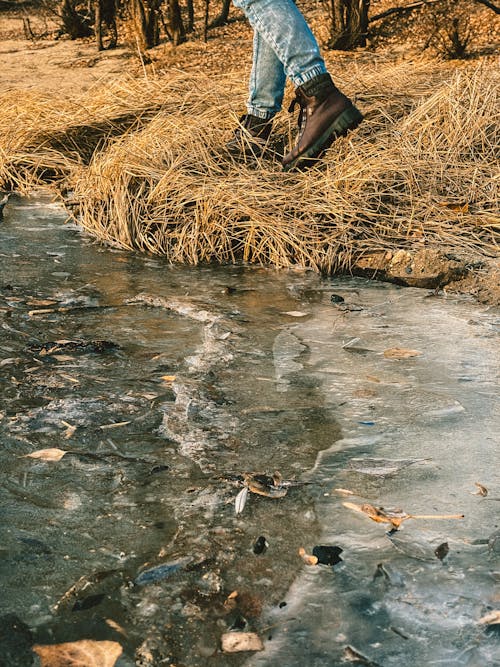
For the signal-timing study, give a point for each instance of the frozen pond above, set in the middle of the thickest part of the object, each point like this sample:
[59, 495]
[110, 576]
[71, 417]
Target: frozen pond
[358, 393]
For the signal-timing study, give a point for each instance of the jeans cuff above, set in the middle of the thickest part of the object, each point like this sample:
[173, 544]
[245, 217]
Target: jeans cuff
[304, 77]
[264, 115]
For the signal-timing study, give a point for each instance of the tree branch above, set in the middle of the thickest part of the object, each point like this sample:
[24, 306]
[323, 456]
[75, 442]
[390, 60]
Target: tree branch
[422, 3]
[490, 5]
[406, 8]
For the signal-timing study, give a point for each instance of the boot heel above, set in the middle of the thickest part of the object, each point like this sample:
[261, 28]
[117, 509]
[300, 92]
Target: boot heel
[348, 120]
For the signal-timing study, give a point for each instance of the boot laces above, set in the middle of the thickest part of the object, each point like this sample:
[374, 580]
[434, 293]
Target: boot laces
[301, 121]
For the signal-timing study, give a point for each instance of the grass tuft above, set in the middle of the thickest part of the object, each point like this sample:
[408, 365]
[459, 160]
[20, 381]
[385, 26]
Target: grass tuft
[147, 166]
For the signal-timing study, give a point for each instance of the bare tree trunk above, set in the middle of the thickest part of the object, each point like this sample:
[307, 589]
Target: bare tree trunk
[73, 23]
[174, 22]
[205, 21]
[98, 25]
[190, 12]
[349, 20]
[145, 14]
[221, 19]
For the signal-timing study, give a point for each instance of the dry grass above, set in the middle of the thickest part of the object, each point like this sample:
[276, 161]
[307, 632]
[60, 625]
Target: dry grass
[161, 181]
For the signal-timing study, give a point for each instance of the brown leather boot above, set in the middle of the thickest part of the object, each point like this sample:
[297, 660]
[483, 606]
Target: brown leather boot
[325, 114]
[250, 137]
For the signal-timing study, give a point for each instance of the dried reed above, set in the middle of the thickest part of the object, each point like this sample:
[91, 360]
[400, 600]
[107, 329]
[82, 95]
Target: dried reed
[148, 166]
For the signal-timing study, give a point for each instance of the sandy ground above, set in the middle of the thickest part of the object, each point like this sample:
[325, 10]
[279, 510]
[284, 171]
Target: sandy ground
[62, 66]
[70, 67]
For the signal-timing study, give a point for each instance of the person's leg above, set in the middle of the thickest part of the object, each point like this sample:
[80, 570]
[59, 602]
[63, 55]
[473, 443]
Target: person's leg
[267, 80]
[325, 113]
[282, 26]
[266, 89]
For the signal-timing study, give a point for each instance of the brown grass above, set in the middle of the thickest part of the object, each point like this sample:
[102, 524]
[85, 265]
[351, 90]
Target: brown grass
[161, 181]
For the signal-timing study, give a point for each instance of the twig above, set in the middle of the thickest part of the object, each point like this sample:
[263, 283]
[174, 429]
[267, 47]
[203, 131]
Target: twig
[401, 10]
[490, 5]
[435, 516]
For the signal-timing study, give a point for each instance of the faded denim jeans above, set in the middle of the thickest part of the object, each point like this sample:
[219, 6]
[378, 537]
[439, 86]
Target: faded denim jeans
[283, 46]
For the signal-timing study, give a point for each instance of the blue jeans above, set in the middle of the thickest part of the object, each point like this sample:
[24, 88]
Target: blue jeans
[284, 46]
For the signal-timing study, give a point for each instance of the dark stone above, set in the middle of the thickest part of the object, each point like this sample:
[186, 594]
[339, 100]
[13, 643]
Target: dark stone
[336, 298]
[442, 550]
[260, 545]
[327, 555]
[88, 602]
[15, 642]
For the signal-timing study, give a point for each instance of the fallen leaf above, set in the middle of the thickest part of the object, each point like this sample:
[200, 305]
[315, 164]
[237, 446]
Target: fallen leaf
[456, 208]
[353, 655]
[42, 311]
[105, 427]
[83, 653]
[379, 514]
[481, 490]
[65, 376]
[394, 516]
[115, 626]
[10, 361]
[265, 485]
[491, 618]
[307, 558]
[400, 353]
[168, 378]
[40, 302]
[51, 454]
[88, 586]
[241, 500]
[62, 357]
[233, 642]
[295, 313]
[70, 429]
[230, 602]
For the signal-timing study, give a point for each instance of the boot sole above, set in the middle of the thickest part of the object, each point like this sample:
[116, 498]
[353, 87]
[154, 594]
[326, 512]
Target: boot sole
[348, 120]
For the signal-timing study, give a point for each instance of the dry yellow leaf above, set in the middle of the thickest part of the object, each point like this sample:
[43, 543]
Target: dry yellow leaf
[233, 642]
[40, 302]
[481, 490]
[491, 618]
[70, 429]
[105, 427]
[51, 454]
[462, 207]
[42, 311]
[230, 601]
[394, 516]
[307, 558]
[116, 626]
[400, 353]
[83, 653]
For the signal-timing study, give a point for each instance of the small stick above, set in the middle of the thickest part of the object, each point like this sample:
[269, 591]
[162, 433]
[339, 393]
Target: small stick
[436, 516]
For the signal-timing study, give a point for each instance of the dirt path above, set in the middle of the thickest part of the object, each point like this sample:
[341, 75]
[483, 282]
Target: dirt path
[52, 66]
